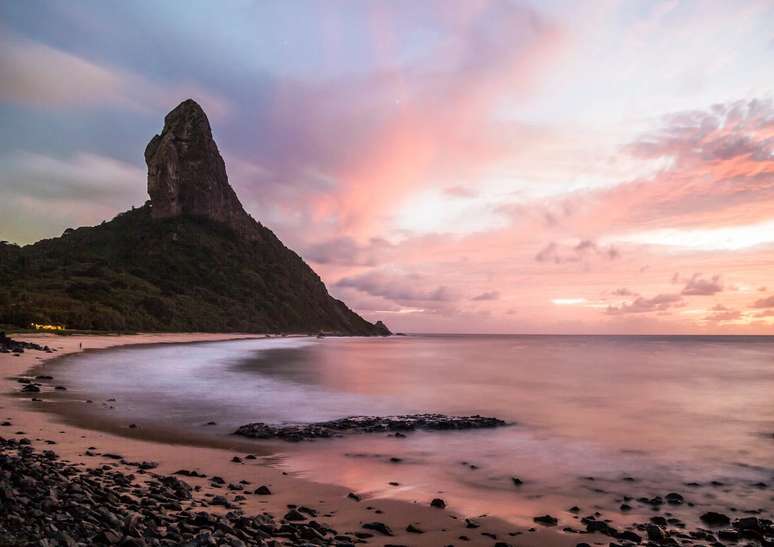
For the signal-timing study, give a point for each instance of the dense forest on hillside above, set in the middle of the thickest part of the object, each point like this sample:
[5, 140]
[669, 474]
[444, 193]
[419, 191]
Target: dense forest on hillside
[178, 274]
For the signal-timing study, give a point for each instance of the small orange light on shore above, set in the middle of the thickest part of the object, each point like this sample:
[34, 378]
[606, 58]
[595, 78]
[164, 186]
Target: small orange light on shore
[39, 326]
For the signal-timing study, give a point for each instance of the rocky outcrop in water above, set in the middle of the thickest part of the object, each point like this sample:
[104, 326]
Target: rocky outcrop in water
[366, 424]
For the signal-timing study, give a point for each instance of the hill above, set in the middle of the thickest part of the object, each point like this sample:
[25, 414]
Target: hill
[191, 259]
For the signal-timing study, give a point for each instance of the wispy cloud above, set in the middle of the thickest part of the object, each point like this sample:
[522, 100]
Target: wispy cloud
[489, 295]
[36, 74]
[764, 303]
[658, 303]
[697, 285]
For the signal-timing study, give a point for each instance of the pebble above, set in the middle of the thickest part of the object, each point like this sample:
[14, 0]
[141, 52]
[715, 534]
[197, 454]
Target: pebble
[438, 503]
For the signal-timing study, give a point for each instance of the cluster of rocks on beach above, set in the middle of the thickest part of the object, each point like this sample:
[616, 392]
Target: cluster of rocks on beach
[666, 529]
[46, 502]
[367, 424]
[17, 347]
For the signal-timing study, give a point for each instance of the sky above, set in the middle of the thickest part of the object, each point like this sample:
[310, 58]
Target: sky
[445, 166]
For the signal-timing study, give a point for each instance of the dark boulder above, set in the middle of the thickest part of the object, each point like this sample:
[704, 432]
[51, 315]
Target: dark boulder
[546, 520]
[712, 518]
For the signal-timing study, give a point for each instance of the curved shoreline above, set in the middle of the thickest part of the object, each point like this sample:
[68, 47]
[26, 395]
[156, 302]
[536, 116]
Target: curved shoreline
[73, 442]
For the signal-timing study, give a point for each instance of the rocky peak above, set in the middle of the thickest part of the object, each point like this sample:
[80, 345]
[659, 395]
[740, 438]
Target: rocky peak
[381, 329]
[187, 175]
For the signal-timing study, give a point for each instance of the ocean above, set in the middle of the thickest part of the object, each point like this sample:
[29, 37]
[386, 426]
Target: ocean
[595, 421]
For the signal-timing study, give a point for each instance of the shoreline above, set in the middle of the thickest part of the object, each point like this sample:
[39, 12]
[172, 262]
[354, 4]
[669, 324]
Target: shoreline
[72, 444]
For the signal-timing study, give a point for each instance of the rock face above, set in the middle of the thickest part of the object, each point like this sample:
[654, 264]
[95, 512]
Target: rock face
[187, 175]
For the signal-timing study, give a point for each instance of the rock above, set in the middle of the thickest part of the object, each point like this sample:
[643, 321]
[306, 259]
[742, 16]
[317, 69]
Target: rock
[600, 527]
[381, 329]
[179, 489]
[353, 496]
[187, 175]
[378, 527]
[263, 491]
[438, 503]
[187, 473]
[367, 424]
[517, 481]
[294, 515]
[628, 535]
[411, 529]
[749, 523]
[674, 498]
[655, 533]
[221, 500]
[110, 537]
[714, 519]
[546, 520]
[728, 535]
[307, 510]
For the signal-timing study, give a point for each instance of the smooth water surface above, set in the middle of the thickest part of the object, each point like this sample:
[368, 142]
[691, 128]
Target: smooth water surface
[660, 410]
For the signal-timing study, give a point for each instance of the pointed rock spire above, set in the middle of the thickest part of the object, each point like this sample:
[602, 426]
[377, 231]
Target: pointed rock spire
[187, 175]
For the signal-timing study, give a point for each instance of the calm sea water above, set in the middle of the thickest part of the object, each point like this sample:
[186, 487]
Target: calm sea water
[663, 411]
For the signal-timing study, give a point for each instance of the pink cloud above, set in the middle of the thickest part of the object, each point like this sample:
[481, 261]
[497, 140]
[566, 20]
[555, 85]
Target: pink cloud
[658, 303]
[402, 289]
[723, 315]
[697, 285]
[387, 135]
[583, 250]
[764, 303]
[721, 170]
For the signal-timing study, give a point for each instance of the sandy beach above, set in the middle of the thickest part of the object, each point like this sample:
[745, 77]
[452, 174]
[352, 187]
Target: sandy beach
[336, 508]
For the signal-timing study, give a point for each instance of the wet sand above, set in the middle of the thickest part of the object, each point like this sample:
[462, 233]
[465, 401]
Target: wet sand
[73, 441]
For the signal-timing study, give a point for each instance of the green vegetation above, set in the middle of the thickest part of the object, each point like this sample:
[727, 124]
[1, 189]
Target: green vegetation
[135, 273]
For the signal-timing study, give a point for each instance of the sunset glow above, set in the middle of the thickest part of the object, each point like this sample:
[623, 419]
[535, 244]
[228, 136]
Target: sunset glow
[507, 166]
